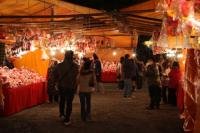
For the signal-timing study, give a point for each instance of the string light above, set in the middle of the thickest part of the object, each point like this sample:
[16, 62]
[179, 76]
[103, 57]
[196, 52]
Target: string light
[80, 55]
[114, 53]
[148, 43]
[53, 53]
[68, 48]
[171, 54]
[62, 50]
[133, 54]
[32, 48]
[180, 56]
[44, 55]
[23, 52]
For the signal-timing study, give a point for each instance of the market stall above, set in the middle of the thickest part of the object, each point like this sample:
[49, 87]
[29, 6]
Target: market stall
[33, 40]
[22, 89]
[180, 30]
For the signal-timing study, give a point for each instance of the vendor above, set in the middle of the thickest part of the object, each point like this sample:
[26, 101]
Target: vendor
[8, 63]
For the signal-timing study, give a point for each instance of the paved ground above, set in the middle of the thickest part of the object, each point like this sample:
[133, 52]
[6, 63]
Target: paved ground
[111, 113]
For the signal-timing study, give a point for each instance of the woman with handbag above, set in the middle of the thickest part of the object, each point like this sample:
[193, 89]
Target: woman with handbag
[86, 87]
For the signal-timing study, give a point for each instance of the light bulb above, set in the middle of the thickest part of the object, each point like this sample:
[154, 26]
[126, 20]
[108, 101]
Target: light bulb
[53, 52]
[114, 53]
[62, 50]
[44, 55]
[180, 56]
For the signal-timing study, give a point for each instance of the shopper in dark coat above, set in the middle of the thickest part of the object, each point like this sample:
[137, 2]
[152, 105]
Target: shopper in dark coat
[98, 70]
[154, 84]
[140, 74]
[67, 74]
[120, 74]
[51, 84]
[128, 75]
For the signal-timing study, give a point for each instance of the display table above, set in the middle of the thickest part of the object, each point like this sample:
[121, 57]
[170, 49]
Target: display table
[17, 99]
[109, 77]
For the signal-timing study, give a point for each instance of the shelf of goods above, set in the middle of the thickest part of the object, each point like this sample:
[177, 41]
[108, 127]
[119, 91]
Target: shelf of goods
[23, 89]
[109, 74]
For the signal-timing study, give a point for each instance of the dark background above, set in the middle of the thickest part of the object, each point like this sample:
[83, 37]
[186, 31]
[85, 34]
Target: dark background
[107, 5]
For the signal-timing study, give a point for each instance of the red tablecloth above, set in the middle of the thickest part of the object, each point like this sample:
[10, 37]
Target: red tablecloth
[109, 77]
[17, 99]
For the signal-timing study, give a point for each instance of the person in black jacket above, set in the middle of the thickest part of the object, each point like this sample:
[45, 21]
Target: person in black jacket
[97, 71]
[128, 75]
[67, 74]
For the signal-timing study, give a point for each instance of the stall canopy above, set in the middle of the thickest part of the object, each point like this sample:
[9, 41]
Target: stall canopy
[55, 15]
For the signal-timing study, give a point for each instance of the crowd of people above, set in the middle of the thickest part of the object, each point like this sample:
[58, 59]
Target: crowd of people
[67, 78]
[163, 79]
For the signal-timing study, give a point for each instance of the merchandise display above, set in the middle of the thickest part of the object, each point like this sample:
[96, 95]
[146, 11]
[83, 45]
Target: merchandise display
[109, 72]
[124, 41]
[21, 88]
[109, 66]
[19, 77]
[23, 97]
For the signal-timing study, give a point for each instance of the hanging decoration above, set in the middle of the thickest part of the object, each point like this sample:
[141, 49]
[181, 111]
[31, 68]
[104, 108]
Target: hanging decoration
[32, 39]
[180, 22]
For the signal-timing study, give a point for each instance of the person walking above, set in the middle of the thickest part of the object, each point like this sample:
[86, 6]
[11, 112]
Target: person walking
[139, 77]
[165, 81]
[134, 72]
[98, 70]
[67, 74]
[127, 74]
[174, 82]
[120, 74]
[154, 84]
[86, 86]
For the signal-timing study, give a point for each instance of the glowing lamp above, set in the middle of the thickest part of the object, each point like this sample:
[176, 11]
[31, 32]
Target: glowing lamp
[114, 53]
[180, 56]
[53, 53]
[62, 50]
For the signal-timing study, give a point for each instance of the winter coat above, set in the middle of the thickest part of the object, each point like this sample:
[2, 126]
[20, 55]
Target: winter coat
[84, 82]
[66, 74]
[97, 69]
[153, 75]
[128, 69]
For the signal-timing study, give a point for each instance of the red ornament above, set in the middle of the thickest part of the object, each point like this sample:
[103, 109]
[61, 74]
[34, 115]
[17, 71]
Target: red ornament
[185, 8]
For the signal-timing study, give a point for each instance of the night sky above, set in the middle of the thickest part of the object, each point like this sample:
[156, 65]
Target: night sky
[108, 5]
